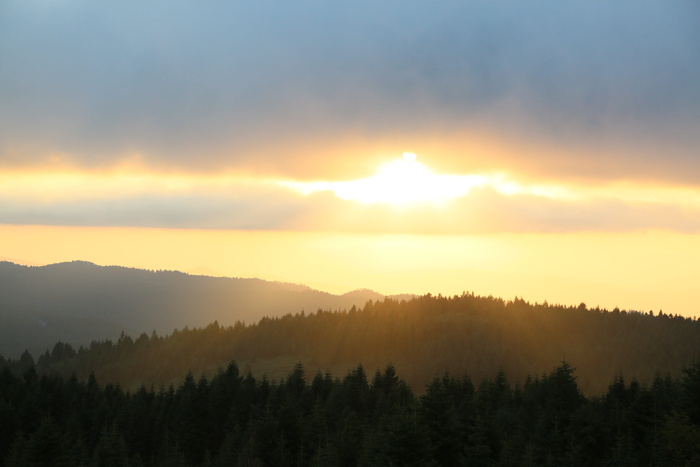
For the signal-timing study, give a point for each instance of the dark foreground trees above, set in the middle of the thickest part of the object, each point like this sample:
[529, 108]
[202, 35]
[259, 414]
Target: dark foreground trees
[235, 419]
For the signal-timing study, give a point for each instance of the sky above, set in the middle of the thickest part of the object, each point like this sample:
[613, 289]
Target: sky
[546, 150]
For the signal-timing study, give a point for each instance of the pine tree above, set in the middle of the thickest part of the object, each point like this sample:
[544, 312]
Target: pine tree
[439, 415]
[111, 450]
[46, 447]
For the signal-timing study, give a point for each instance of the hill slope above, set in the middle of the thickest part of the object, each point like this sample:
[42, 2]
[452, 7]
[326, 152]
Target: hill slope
[422, 338]
[78, 302]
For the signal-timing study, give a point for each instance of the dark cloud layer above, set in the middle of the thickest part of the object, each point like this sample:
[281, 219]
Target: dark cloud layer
[484, 210]
[257, 85]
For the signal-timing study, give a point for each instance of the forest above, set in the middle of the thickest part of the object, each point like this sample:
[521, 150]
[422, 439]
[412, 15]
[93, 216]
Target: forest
[430, 381]
[421, 337]
[359, 420]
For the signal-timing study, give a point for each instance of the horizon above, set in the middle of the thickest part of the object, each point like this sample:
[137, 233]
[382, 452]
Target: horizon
[202, 272]
[406, 274]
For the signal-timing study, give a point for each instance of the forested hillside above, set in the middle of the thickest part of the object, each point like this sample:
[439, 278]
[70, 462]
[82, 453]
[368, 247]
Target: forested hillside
[237, 419]
[422, 337]
[77, 302]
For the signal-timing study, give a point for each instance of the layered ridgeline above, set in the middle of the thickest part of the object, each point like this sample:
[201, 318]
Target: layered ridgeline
[78, 302]
[421, 337]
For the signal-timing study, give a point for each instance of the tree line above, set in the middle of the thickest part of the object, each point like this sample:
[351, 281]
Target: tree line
[234, 418]
[463, 334]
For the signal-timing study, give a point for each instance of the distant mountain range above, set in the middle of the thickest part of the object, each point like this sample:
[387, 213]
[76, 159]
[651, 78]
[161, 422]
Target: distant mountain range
[77, 302]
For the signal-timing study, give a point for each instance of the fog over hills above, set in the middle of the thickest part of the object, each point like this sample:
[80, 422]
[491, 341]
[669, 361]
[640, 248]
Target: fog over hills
[78, 302]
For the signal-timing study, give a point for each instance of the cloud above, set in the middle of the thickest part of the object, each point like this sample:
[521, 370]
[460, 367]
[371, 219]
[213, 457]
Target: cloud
[254, 210]
[487, 211]
[229, 203]
[314, 88]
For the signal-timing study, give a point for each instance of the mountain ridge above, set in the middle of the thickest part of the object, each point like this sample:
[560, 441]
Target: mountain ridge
[79, 301]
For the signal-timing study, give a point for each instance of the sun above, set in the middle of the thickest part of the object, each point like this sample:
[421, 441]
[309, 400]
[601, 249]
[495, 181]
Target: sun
[402, 181]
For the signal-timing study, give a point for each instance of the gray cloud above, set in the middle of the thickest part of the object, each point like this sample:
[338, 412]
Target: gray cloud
[493, 212]
[253, 85]
[272, 208]
[258, 211]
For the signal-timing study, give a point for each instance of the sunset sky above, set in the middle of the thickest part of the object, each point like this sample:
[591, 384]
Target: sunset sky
[546, 150]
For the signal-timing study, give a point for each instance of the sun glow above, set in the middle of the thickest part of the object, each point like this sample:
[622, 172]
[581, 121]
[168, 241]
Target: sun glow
[406, 181]
[402, 181]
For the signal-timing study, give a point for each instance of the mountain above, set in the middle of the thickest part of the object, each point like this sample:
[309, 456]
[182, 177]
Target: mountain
[77, 302]
[423, 337]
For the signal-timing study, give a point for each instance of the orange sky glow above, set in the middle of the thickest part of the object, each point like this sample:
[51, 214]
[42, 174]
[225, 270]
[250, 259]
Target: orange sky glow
[404, 228]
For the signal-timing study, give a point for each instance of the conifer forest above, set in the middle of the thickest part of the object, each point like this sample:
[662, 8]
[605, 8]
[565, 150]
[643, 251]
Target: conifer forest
[436, 381]
[357, 419]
